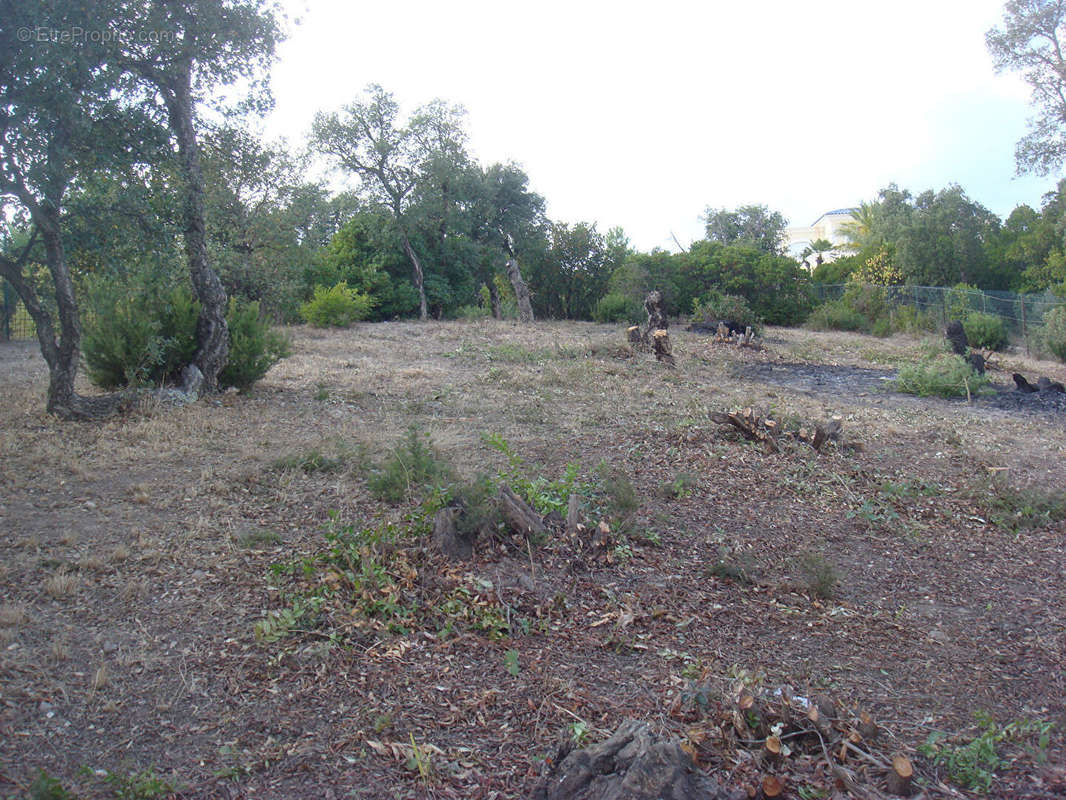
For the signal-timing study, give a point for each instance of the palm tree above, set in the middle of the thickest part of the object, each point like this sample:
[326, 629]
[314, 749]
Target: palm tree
[860, 230]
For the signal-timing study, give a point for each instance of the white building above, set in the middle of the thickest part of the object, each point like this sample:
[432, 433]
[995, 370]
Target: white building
[829, 227]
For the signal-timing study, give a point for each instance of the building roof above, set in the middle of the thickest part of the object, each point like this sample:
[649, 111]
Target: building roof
[835, 211]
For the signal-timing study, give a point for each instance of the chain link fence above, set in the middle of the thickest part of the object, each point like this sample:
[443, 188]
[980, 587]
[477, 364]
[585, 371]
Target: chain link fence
[1023, 314]
[15, 322]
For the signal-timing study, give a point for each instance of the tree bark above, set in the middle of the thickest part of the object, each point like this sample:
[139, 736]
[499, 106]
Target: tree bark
[416, 265]
[494, 299]
[521, 289]
[212, 332]
[61, 355]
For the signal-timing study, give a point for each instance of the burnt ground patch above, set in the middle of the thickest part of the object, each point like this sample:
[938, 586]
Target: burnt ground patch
[862, 382]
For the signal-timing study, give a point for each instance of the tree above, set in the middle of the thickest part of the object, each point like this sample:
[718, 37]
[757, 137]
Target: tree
[1030, 41]
[390, 159]
[752, 225]
[60, 121]
[205, 46]
[506, 216]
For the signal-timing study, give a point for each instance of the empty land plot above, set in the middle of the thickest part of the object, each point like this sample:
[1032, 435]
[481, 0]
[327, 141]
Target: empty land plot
[174, 605]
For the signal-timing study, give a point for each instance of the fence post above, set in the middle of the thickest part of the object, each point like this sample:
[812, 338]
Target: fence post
[8, 312]
[1025, 333]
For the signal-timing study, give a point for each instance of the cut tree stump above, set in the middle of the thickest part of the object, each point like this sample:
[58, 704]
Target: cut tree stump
[446, 536]
[900, 775]
[636, 338]
[956, 336]
[573, 514]
[661, 345]
[518, 515]
[773, 786]
[630, 765]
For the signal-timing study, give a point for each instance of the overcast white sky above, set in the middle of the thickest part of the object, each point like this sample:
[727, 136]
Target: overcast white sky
[642, 114]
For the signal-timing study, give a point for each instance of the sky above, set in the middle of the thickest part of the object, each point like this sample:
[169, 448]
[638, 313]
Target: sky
[642, 115]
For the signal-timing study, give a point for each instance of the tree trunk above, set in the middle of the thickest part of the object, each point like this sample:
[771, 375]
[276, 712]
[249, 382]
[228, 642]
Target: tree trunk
[494, 299]
[60, 355]
[521, 289]
[416, 265]
[212, 333]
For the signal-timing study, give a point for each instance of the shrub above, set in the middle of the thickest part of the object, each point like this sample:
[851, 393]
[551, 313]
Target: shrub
[336, 307]
[867, 299]
[145, 339]
[616, 307]
[472, 312]
[959, 300]
[414, 463]
[985, 330]
[1055, 331]
[714, 307]
[837, 315]
[945, 375]
[908, 319]
[254, 347]
[138, 339]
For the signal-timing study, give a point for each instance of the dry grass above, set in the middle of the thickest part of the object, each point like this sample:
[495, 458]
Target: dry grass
[12, 614]
[61, 585]
[192, 512]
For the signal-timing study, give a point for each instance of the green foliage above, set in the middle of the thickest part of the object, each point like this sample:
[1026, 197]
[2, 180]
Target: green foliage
[908, 319]
[542, 494]
[837, 315]
[959, 301]
[775, 287]
[715, 307]
[138, 335]
[254, 346]
[414, 463]
[985, 330]
[1054, 333]
[945, 375]
[755, 226]
[838, 270]
[336, 307]
[285, 621]
[143, 785]
[45, 787]
[510, 662]
[618, 308]
[972, 764]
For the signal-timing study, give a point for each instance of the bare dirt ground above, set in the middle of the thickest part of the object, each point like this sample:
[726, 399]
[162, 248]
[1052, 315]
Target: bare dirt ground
[914, 570]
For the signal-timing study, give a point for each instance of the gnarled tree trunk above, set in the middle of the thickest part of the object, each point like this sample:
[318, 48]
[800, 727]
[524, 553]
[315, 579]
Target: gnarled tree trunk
[521, 289]
[416, 265]
[61, 355]
[212, 333]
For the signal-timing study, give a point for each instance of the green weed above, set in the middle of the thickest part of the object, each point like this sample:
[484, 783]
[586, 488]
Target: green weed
[414, 463]
[143, 785]
[45, 787]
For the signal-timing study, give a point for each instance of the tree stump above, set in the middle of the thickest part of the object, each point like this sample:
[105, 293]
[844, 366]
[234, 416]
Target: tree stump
[630, 765]
[636, 338]
[956, 335]
[518, 515]
[899, 776]
[446, 536]
[661, 345]
[653, 305]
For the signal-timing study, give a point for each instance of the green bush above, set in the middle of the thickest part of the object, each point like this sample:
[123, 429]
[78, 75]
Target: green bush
[336, 307]
[714, 307]
[909, 319]
[414, 464]
[254, 347]
[985, 330]
[837, 315]
[145, 338]
[868, 300]
[138, 338]
[1055, 332]
[615, 307]
[945, 375]
[960, 299]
